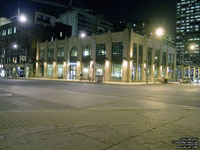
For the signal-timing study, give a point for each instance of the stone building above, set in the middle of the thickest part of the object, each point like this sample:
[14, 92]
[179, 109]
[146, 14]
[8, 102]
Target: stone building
[118, 56]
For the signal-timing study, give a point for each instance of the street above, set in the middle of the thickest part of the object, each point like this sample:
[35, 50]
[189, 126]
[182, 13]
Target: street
[58, 115]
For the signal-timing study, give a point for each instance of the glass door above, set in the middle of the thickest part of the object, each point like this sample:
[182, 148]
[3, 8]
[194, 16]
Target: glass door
[72, 72]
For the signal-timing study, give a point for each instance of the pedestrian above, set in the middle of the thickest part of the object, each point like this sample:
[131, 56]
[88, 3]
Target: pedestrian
[81, 76]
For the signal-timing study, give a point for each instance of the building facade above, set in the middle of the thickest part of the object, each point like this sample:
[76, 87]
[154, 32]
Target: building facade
[188, 34]
[19, 61]
[118, 56]
[81, 20]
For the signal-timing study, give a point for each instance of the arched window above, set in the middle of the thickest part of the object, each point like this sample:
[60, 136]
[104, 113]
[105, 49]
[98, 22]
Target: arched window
[73, 52]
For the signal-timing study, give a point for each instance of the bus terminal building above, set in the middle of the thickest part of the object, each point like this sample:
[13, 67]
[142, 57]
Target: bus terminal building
[119, 56]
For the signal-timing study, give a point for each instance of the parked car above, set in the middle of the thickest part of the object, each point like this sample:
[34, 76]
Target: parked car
[185, 80]
[197, 80]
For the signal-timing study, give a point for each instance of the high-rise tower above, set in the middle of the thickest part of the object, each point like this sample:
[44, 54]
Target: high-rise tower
[188, 32]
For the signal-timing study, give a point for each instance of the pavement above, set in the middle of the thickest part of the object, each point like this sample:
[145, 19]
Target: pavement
[106, 82]
[53, 115]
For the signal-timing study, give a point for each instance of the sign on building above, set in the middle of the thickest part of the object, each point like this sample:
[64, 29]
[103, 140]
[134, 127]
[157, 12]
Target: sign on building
[44, 19]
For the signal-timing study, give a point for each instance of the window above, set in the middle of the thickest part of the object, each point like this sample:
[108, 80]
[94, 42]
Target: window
[74, 52]
[99, 69]
[164, 58]
[61, 52]
[9, 31]
[14, 30]
[60, 70]
[149, 56]
[101, 50]
[117, 48]
[134, 52]
[4, 33]
[50, 53]
[61, 34]
[41, 54]
[3, 52]
[117, 71]
[86, 51]
[50, 70]
[140, 54]
[157, 57]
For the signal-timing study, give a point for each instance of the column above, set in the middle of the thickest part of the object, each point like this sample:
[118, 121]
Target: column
[55, 64]
[108, 63]
[45, 69]
[45, 59]
[174, 71]
[194, 74]
[153, 61]
[37, 70]
[66, 58]
[126, 55]
[160, 62]
[37, 58]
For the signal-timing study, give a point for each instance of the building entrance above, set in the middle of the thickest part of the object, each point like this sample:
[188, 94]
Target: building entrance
[72, 72]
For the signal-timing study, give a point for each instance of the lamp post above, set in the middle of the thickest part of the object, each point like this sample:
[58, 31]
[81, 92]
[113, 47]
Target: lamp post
[21, 18]
[22, 56]
[84, 35]
[159, 33]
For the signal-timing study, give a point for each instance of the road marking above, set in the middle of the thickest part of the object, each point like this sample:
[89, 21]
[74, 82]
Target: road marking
[6, 95]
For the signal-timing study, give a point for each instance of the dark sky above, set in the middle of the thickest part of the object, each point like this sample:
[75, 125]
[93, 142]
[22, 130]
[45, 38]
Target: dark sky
[157, 12]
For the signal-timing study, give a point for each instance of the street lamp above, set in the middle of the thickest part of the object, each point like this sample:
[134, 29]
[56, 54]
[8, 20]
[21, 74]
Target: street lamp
[83, 35]
[22, 54]
[159, 32]
[192, 47]
[21, 18]
[15, 46]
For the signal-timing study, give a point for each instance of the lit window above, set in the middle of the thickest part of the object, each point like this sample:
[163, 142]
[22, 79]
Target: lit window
[14, 30]
[4, 33]
[86, 50]
[9, 31]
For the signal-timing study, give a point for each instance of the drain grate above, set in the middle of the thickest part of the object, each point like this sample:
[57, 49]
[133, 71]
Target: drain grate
[6, 95]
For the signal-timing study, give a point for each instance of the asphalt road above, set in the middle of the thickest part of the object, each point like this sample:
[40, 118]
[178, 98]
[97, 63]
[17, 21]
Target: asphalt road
[41, 114]
[38, 94]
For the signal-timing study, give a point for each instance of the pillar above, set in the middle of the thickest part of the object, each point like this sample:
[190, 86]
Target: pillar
[45, 69]
[108, 63]
[194, 74]
[174, 71]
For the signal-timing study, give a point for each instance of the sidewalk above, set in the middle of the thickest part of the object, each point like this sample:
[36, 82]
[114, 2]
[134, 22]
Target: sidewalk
[107, 82]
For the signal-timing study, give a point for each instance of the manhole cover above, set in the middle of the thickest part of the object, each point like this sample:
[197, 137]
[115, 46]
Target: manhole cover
[6, 95]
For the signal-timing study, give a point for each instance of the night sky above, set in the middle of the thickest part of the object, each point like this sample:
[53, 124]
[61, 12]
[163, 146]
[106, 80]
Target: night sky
[157, 12]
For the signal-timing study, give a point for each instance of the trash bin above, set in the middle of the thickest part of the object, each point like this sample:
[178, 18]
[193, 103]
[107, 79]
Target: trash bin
[99, 79]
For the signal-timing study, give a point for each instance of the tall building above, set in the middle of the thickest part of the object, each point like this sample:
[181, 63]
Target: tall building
[188, 36]
[18, 43]
[142, 28]
[82, 20]
[138, 27]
